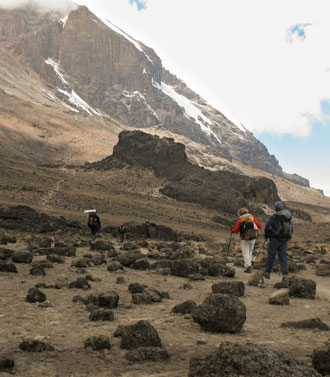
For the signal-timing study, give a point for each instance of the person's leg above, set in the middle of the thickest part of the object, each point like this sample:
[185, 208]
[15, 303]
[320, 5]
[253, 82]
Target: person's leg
[272, 248]
[251, 247]
[245, 252]
[283, 257]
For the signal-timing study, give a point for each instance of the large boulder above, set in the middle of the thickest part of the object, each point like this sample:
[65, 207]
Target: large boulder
[302, 288]
[108, 300]
[141, 334]
[6, 365]
[248, 360]
[221, 313]
[321, 360]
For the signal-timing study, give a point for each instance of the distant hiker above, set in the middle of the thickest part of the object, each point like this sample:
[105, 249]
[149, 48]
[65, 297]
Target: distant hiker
[94, 223]
[279, 229]
[248, 227]
[122, 230]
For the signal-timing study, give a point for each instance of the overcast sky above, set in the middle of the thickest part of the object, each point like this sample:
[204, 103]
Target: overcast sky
[264, 63]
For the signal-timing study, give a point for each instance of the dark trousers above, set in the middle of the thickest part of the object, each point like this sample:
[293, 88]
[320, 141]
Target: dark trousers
[281, 247]
[94, 230]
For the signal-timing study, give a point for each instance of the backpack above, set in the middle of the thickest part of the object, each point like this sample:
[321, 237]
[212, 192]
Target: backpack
[247, 230]
[284, 228]
[92, 219]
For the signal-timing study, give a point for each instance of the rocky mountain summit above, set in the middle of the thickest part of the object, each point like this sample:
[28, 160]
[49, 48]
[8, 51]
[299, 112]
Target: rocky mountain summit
[87, 66]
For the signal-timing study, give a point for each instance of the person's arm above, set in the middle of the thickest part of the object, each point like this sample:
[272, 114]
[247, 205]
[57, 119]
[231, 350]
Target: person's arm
[271, 224]
[236, 227]
[258, 224]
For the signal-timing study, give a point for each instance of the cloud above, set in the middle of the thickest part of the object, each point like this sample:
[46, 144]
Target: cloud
[141, 4]
[63, 6]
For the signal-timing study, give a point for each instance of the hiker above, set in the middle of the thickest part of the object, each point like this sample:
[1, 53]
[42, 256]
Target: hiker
[94, 223]
[122, 230]
[279, 230]
[248, 227]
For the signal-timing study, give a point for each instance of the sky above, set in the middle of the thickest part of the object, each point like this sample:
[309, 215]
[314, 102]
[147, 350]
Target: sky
[262, 63]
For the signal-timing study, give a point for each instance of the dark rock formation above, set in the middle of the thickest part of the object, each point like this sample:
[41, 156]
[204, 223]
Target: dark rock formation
[98, 343]
[102, 315]
[22, 257]
[321, 360]
[186, 307]
[220, 313]
[141, 334]
[313, 323]
[107, 300]
[302, 288]
[7, 267]
[35, 346]
[248, 360]
[35, 295]
[6, 365]
[219, 190]
[26, 219]
[235, 288]
[80, 283]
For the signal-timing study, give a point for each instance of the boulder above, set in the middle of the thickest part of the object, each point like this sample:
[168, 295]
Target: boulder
[6, 365]
[114, 266]
[22, 257]
[235, 288]
[37, 271]
[107, 300]
[136, 287]
[323, 270]
[302, 288]
[7, 267]
[321, 360]
[80, 283]
[220, 313]
[248, 360]
[185, 307]
[148, 296]
[102, 315]
[141, 334]
[35, 295]
[98, 343]
[35, 346]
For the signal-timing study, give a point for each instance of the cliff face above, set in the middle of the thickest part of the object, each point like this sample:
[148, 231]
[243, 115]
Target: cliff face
[120, 77]
[222, 191]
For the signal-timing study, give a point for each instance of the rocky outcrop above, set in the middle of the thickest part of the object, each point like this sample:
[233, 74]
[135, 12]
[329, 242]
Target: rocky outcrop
[223, 191]
[248, 360]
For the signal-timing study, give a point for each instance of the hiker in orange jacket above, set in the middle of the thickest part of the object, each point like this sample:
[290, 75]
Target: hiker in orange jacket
[248, 227]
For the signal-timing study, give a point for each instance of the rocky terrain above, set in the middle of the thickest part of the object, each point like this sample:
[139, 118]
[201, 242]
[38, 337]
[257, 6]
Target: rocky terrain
[172, 299]
[158, 304]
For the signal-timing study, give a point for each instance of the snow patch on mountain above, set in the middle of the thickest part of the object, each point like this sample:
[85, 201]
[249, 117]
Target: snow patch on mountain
[190, 110]
[73, 97]
[140, 96]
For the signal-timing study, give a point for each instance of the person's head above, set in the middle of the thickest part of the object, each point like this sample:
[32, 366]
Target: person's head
[278, 206]
[242, 211]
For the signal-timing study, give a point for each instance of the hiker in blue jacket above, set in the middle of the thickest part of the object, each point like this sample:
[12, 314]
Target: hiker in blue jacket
[279, 230]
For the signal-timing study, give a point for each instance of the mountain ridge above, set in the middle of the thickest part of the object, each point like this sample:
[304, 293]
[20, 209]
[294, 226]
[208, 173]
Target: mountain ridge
[123, 79]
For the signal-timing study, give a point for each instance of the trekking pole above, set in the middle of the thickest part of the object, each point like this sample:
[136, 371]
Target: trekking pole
[231, 234]
[256, 256]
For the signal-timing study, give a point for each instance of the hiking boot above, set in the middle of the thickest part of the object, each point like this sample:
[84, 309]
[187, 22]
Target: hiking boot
[248, 270]
[285, 281]
[266, 275]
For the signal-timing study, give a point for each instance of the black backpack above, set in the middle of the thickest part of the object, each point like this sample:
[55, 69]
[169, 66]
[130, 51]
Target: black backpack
[247, 230]
[284, 228]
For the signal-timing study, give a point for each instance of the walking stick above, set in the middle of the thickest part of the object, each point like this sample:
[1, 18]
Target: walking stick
[256, 256]
[231, 234]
